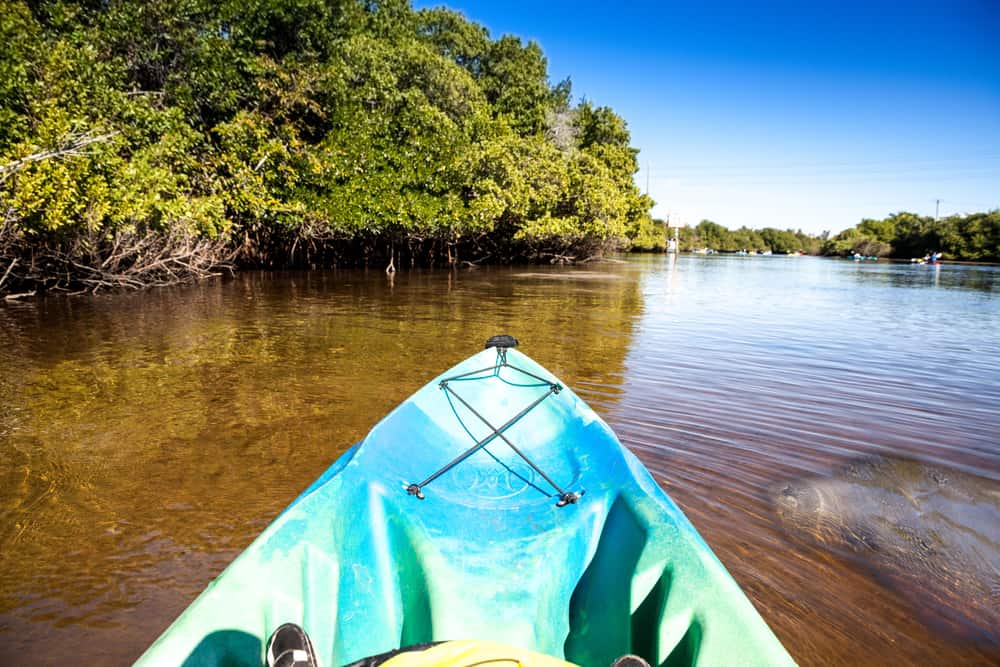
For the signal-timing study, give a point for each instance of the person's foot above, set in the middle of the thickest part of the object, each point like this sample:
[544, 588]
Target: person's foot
[630, 661]
[289, 646]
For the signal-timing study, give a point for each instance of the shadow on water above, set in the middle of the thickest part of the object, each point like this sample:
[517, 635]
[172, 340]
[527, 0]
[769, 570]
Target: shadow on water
[147, 438]
[929, 532]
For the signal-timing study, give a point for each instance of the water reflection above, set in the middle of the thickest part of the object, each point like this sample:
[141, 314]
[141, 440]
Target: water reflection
[949, 276]
[748, 372]
[147, 438]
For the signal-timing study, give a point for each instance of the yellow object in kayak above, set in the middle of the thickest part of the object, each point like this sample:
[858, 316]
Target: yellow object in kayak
[466, 653]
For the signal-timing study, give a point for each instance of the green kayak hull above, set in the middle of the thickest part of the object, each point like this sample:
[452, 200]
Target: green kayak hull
[489, 552]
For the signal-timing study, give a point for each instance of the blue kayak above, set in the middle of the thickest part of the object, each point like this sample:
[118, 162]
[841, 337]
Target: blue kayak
[492, 505]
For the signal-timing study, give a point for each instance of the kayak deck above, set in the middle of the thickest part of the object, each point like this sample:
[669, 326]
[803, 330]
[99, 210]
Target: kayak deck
[366, 566]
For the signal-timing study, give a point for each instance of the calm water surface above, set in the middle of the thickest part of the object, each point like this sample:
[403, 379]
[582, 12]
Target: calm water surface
[145, 439]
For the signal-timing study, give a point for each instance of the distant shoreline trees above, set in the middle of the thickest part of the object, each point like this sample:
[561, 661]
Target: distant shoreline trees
[974, 237]
[708, 234]
[291, 133]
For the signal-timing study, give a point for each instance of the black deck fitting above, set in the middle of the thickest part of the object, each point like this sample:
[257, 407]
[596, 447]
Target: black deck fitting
[569, 499]
[503, 341]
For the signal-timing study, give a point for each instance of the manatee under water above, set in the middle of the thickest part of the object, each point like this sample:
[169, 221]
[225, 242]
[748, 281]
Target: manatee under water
[931, 533]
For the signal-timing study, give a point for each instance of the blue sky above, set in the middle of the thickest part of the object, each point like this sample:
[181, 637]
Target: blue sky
[809, 114]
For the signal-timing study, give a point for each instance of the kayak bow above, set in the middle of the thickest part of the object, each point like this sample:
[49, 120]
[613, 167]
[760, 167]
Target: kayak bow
[493, 504]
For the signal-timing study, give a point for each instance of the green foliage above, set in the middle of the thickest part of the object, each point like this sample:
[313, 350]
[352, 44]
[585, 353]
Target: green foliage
[648, 235]
[601, 126]
[854, 241]
[974, 237]
[883, 231]
[272, 122]
[708, 234]
[515, 80]
[781, 241]
[455, 38]
[19, 39]
[711, 235]
[747, 239]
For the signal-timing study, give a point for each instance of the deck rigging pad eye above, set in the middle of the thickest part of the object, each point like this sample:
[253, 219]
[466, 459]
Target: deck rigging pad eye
[502, 343]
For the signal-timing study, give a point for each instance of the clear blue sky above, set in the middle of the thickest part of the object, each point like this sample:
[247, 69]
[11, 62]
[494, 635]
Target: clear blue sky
[807, 114]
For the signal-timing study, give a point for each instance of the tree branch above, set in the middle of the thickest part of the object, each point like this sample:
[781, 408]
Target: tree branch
[72, 145]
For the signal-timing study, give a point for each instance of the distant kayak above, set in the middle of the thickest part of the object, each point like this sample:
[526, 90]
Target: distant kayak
[930, 258]
[491, 505]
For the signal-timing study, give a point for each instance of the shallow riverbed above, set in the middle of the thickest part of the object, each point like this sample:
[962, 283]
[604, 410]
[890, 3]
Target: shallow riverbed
[147, 438]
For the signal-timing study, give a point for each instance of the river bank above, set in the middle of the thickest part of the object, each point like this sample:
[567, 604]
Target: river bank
[330, 136]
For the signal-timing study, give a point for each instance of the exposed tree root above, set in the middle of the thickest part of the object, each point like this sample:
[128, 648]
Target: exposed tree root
[91, 262]
[123, 260]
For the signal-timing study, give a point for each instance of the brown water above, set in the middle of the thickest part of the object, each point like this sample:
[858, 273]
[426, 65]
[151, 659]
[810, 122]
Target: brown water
[145, 439]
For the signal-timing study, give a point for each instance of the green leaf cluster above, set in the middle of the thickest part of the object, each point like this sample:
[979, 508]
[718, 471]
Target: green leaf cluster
[708, 234]
[276, 122]
[971, 237]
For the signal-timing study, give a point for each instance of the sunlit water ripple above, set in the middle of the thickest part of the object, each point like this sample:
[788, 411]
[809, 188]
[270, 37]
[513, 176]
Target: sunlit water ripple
[147, 438]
